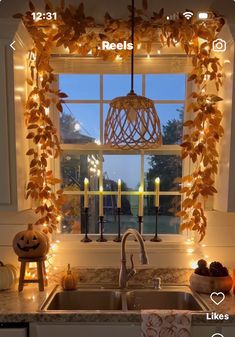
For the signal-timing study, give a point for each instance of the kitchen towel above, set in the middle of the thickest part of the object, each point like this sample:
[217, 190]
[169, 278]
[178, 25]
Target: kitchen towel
[165, 323]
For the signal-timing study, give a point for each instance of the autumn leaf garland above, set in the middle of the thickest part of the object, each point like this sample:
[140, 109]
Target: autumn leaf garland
[43, 138]
[80, 34]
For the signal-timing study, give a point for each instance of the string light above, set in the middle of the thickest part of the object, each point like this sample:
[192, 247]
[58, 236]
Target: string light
[190, 251]
[18, 67]
[118, 58]
[77, 127]
[19, 89]
[193, 264]
[206, 77]
[51, 256]
[31, 56]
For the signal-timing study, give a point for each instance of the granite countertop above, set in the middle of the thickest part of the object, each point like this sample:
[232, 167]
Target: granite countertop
[24, 307]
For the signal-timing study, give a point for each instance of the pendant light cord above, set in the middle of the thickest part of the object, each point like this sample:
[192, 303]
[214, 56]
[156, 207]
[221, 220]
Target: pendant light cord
[133, 44]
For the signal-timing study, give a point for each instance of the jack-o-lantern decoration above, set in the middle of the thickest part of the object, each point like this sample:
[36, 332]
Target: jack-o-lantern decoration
[31, 243]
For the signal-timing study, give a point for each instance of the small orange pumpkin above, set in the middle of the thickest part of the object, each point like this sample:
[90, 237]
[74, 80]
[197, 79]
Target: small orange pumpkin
[31, 243]
[69, 280]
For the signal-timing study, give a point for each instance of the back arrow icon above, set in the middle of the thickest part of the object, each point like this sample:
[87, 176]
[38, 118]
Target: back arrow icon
[11, 45]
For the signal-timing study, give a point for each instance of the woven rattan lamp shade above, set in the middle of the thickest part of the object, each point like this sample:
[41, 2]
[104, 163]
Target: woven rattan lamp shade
[132, 123]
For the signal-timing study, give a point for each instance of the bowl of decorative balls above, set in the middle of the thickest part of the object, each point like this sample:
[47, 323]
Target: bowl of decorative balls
[214, 278]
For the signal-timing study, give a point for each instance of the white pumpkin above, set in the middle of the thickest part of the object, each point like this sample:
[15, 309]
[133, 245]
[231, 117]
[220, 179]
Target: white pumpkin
[7, 276]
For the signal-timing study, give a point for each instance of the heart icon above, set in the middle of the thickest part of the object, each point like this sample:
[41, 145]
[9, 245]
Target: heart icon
[217, 298]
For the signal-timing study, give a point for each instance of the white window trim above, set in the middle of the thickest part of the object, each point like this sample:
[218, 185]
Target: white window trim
[184, 67]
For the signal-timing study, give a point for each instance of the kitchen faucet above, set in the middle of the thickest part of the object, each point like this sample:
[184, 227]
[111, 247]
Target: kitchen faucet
[124, 274]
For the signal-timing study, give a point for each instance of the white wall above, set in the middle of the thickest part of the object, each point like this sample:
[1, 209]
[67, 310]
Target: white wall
[219, 244]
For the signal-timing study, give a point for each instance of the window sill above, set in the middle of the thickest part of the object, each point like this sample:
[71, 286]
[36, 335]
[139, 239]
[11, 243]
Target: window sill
[169, 242]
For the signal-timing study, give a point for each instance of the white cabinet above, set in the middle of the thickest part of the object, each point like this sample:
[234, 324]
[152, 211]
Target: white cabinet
[208, 331]
[85, 330]
[114, 330]
[203, 331]
[228, 331]
[13, 90]
[18, 332]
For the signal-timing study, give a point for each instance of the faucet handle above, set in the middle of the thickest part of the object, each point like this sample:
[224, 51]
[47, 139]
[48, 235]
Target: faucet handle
[132, 271]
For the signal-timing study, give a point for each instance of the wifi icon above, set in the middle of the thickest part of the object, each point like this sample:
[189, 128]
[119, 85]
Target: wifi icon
[188, 15]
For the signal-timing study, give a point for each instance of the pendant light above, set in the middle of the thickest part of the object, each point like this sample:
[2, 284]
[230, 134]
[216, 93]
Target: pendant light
[132, 121]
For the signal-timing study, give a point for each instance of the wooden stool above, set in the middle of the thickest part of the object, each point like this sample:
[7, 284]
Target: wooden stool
[41, 272]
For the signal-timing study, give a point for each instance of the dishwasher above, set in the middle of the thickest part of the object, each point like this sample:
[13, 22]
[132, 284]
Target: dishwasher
[14, 330]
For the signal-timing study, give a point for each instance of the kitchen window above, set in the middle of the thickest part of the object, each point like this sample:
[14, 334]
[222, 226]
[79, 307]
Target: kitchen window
[81, 131]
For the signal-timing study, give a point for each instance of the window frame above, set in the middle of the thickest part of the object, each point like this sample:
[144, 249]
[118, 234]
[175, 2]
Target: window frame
[174, 149]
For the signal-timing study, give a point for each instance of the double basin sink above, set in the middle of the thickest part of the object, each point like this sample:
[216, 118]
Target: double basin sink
[123, 300]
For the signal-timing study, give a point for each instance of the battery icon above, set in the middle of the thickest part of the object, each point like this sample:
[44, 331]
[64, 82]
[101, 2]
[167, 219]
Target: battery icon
[203, 15]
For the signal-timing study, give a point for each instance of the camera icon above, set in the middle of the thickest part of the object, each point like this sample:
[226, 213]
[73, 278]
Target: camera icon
[219, 46]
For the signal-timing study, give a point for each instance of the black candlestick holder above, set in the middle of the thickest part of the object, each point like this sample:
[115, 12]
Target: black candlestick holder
[101, 223]
[118, 238]
[156, 237]
[86, 238]
[140, 222]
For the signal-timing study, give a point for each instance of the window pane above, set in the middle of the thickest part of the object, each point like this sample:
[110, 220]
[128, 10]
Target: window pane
[165, 86]
[171, 118]
[124, 167]
[76, 167]
[80, 123]
[80, 86]
[119, 85]
[168, 223]
[129, 212]
[73, 221]
[166, 167]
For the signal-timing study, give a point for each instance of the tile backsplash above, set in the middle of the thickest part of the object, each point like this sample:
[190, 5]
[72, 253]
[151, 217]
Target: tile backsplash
[110, 276]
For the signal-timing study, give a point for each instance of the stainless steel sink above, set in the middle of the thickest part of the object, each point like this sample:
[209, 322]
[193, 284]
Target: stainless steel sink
[178, 298]
[155, 299]
[85, 300]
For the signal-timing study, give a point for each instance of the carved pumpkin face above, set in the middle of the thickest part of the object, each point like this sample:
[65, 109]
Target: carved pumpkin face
[31, 243]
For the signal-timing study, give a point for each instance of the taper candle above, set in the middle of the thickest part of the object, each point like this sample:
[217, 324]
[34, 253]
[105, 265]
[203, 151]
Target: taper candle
[119, 202]
[157, 190]
[101, 204]
[141, 208]
[86, 198]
